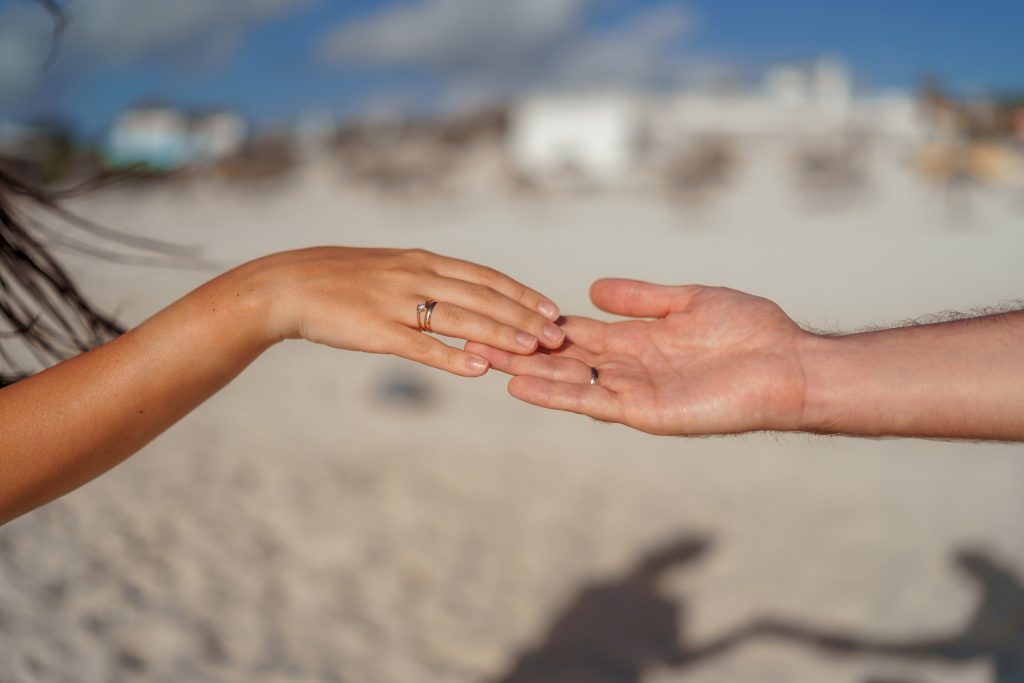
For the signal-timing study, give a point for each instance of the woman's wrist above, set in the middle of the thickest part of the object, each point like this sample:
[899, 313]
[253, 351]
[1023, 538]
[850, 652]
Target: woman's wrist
[249, 294]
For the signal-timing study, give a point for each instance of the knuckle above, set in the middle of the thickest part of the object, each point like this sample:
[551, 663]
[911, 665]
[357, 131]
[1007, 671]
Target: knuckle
[500, 334]
[451, 356]
[483, 296]
[416, 259]
[492, 298]
[489, 275]
[529, 320]
[524, 296]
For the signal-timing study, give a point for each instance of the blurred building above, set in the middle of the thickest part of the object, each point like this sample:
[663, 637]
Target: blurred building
[567, 138]
[165, 138]
[215, 136]
[609, 139]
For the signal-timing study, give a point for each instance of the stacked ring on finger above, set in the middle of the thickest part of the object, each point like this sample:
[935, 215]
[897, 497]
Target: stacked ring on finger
[423, 313]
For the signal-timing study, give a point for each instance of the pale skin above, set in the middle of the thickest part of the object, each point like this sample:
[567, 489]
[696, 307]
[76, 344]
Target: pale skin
[698, 360]
[72, 422]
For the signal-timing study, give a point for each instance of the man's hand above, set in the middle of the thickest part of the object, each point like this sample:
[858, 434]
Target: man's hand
[718, 361]
[708, 360]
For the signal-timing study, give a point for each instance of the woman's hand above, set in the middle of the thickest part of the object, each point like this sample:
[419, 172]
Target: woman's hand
[365, 300]
[70, 423]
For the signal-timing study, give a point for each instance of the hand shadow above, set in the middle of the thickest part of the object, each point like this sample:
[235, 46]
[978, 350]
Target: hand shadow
[614, 631]
[994, 633]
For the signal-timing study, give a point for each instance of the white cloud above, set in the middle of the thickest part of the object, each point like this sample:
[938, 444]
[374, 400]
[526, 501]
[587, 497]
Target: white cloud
[457, 35]
[643, 52]
[129, 30]
[488, 48]
[123, 31]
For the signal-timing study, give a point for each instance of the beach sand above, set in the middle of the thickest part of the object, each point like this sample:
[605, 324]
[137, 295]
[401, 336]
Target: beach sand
[306, 525]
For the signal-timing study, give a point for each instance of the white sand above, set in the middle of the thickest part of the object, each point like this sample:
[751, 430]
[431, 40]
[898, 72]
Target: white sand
[296, 528]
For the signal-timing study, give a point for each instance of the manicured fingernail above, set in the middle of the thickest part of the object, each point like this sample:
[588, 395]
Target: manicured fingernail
[548, 310]
[525, 340]
[553, 333]
[476, 364]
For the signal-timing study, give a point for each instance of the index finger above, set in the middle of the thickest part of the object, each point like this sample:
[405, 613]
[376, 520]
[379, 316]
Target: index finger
[495, 279]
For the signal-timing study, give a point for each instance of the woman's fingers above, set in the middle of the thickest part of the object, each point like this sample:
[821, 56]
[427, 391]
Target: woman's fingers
[430, 351]
[560, 368]
[585, 399]
[495, 279]
[455, 321]
[497, 306]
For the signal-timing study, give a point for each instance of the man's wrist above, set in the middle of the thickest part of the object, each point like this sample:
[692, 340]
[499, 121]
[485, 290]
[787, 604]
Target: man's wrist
[826, 361]
[947, 380]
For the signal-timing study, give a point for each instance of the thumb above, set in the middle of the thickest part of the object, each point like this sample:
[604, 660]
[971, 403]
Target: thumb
[640, 299]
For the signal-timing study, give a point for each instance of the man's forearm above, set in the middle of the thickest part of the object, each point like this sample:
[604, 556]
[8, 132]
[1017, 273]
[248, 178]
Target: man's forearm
[962, 379]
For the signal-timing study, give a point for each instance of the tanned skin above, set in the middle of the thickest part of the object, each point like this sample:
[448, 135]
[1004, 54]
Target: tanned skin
[70, 423]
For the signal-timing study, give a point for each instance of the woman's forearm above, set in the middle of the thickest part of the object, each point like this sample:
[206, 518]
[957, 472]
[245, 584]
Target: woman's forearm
[66, 425]
[72, 422]
[962, 379]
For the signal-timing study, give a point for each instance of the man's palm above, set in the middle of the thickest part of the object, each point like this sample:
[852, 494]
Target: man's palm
[712, 360]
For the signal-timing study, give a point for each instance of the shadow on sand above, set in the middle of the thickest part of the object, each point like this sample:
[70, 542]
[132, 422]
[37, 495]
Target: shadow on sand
[615, 631]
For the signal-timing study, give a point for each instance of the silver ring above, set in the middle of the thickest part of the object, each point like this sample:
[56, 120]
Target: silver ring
[593, 375]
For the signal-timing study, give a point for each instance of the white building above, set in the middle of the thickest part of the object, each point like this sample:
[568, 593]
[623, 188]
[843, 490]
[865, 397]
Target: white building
[165, 138]
[157, 136]
[216, 136]
[609, 138]
[594, 138]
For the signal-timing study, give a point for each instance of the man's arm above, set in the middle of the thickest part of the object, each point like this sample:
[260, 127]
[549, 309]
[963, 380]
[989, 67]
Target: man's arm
[962, 379]
[712, 360]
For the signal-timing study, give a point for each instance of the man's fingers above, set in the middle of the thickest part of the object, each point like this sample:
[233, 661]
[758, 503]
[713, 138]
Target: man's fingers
[640, 299]
[585, 399]
[586, 333]
[547, 366]
[425, 349]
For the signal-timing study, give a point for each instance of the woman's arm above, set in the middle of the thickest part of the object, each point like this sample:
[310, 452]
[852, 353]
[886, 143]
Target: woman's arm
[67, 425]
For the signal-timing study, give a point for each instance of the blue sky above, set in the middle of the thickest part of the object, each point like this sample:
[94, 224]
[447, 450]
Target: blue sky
[273, 59]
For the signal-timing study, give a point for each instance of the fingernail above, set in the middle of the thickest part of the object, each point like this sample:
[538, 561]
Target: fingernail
[553, 333]
[525, 340]
[548, 310]
[476, 364]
